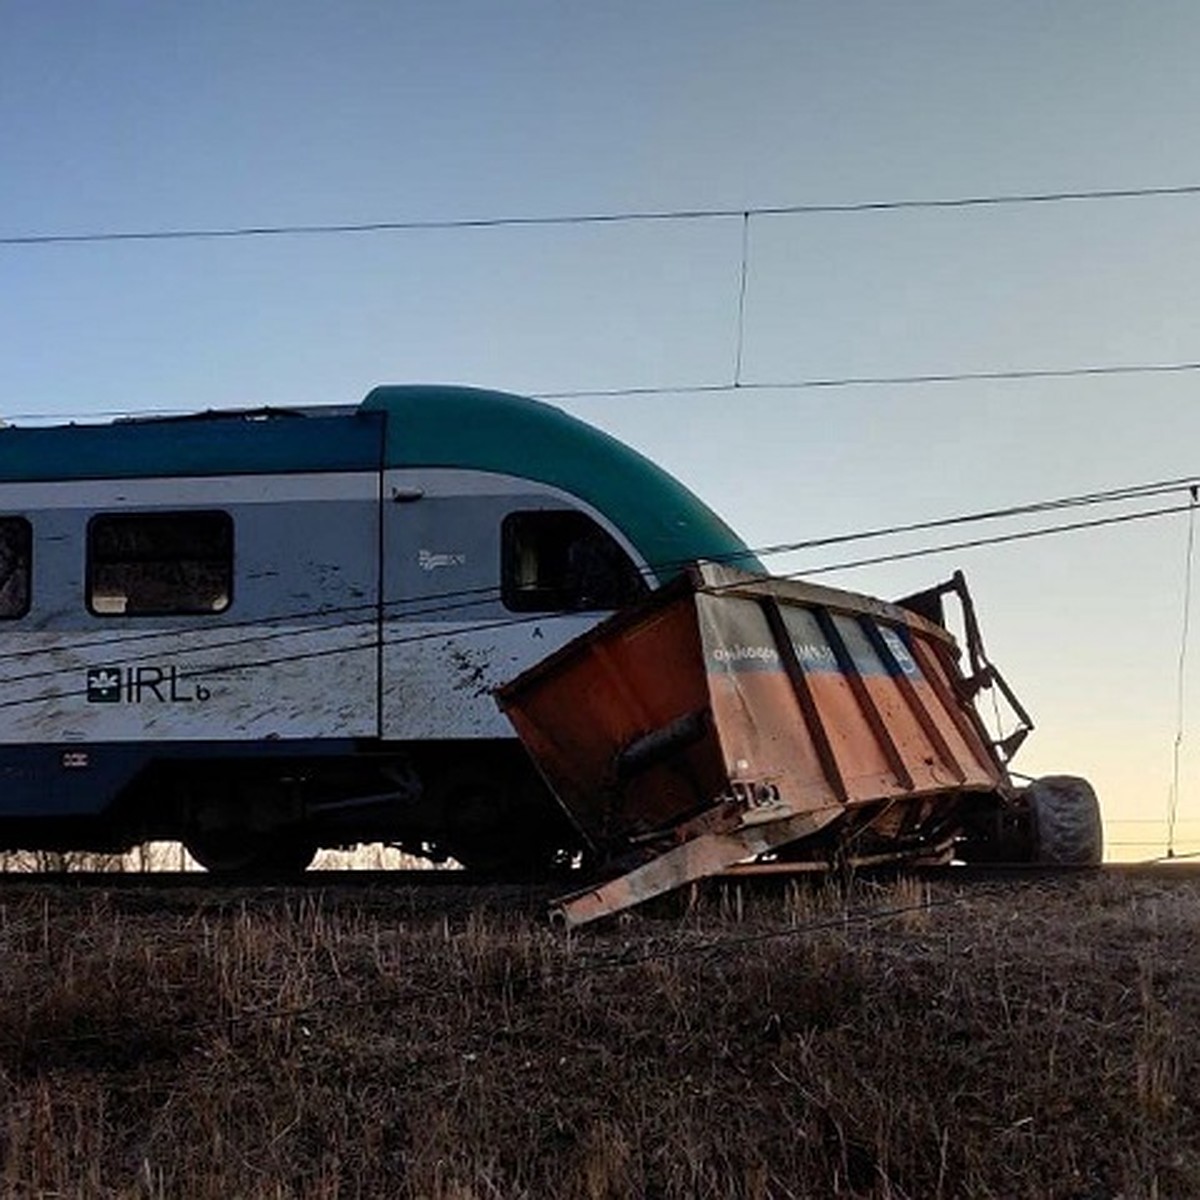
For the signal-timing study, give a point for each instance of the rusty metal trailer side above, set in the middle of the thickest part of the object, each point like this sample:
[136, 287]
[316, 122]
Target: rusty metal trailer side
[732, 715]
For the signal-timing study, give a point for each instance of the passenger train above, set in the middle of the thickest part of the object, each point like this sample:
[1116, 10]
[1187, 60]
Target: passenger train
[264, 632]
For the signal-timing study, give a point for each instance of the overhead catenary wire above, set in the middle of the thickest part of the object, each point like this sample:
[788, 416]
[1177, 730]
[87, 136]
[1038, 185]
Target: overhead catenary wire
[999, 539]
[748, 386]
[427, 635]
[834, 382]
[620, 217]
[1168, 858]
[442, 603]
[1142, 491]
[434, 604]
[691, 214]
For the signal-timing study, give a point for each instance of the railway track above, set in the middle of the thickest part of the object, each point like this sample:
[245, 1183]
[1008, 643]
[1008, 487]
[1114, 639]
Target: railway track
[457, 896]
[762, 875]
[401, 895]
[205, 881]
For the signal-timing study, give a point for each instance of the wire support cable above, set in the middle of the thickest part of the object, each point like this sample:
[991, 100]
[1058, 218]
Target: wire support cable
[1181, 675]
[442, 604]
[621, 217]
[834, 382]
[998, 540]
[1170, 858]
[850, 918]
[741, 301]
[374, 643]
[1132, 492]
[732, 387]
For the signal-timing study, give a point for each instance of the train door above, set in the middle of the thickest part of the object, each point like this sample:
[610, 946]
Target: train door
[484, 575]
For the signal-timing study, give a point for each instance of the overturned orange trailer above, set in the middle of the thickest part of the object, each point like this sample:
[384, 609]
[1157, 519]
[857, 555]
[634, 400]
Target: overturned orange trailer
[731, 717]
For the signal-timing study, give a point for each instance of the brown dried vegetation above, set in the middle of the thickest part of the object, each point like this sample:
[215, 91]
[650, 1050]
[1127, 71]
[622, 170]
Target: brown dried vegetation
[1029, 1040]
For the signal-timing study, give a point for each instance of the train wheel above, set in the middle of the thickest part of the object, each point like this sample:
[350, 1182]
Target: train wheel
[237, 852]
[482, 821]
[1066, 821]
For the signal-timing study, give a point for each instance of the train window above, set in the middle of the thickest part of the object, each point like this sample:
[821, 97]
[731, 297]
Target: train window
[564, 562]
[160, 564]
[16, 553]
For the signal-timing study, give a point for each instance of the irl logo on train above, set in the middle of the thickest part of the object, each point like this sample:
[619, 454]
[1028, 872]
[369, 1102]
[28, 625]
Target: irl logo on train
[136, 685]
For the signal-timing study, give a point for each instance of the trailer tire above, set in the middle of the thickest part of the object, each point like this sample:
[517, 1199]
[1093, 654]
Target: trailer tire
[1065, 821]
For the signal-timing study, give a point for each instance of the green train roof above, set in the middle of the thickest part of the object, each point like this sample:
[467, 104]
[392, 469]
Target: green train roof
[409, 426]
[512, 435]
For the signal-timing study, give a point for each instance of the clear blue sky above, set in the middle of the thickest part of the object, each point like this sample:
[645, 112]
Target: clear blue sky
[150, 116]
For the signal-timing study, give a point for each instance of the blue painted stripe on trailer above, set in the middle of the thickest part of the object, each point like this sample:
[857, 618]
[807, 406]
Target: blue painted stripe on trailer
[738, 642]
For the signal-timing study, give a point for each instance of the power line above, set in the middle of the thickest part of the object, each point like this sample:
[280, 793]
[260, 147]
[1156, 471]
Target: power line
[438, 604]
[1170, 858]
[1141, 491]
[812, 383]
[848, 918]
[491, 625]
[1000, 539]
[623, 217]
[831, 382]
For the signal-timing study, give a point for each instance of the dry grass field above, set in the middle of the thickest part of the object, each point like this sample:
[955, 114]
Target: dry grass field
[893, 1040]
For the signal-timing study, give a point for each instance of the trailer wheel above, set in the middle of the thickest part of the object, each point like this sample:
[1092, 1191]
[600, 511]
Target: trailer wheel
[1065, 819]
[233, 852]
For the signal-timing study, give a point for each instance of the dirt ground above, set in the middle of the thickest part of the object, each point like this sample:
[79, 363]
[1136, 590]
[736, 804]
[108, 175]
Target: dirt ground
[893, 1040]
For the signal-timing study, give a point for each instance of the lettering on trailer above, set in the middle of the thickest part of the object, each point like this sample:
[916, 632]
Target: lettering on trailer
[900, 652]
[815, 656]
[736, 654]
[136, 685]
